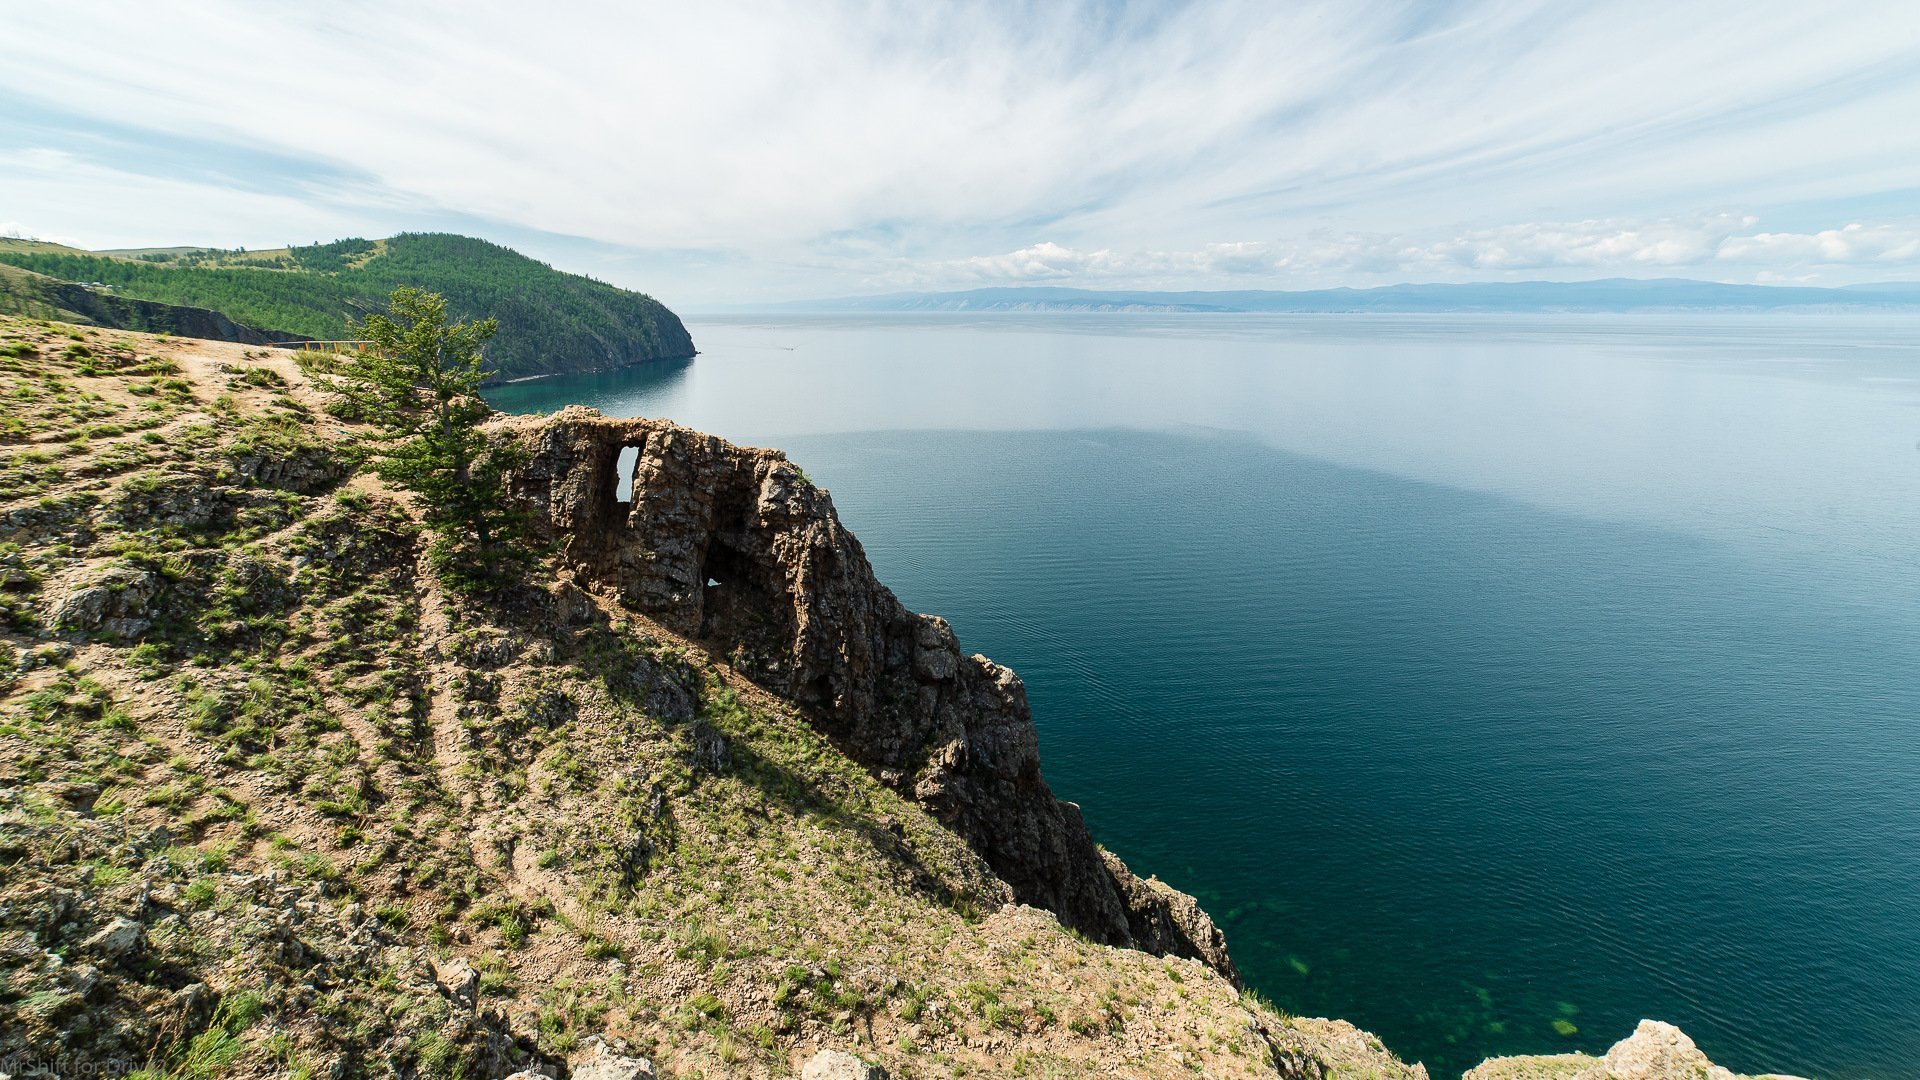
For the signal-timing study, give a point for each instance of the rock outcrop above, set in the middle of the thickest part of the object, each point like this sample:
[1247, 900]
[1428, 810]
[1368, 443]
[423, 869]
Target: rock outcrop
[736, 548]
[1655, 1051]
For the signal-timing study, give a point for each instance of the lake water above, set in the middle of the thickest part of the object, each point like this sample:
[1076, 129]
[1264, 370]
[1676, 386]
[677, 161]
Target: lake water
[1494, 681]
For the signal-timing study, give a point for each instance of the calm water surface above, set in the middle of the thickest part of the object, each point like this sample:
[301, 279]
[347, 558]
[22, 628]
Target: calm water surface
[1495, 681]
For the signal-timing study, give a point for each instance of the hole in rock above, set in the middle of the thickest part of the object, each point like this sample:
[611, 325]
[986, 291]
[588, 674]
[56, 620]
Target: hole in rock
[623, 470]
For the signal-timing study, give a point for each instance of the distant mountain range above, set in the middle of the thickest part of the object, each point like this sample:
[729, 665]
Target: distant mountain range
[550, 321]
[1609, 295]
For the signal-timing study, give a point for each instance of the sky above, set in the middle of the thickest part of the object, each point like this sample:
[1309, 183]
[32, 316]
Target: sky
[720, 153]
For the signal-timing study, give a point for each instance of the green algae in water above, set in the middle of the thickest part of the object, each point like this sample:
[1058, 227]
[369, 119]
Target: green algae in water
[1299, 965]
[1565, 1027]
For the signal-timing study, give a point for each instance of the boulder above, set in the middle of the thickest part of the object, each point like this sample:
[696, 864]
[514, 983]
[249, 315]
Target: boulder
[460, 980]
[115, 603]
[116, 940]
[603, 1063]
[840, 1065]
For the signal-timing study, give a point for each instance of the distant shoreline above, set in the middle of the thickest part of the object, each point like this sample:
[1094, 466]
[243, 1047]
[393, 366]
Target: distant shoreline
[1611, 296]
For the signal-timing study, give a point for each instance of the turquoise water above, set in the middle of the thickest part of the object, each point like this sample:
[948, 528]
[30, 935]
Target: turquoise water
[1478, 674]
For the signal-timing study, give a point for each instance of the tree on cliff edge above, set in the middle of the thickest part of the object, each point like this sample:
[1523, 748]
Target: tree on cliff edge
[419, 382]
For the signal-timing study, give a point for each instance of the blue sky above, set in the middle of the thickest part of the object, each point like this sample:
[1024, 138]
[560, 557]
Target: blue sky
[725, 153]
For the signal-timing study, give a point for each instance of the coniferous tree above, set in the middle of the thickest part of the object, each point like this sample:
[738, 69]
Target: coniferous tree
[418, 380]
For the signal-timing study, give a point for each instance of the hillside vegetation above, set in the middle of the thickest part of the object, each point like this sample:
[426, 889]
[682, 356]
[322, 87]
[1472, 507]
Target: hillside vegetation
[549, 321]
[273, 802]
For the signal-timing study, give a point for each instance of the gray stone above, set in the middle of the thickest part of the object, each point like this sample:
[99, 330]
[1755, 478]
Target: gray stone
[460, 981]
[115, 603]
[117, 939]
[840, 1065]
[82, 978]
[603, 1063]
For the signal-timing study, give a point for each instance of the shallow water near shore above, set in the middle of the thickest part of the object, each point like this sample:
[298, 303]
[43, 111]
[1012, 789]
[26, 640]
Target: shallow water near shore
[1494, 681]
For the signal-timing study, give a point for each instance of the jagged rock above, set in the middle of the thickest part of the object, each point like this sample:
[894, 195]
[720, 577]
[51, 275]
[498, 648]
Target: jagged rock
[840, 1065]
[304, 470]
[461, 981]
[736, 548]
[192, 1003]
[179, 500]
[1165, 920]
[667, 690]
[1657, 1051]
[707, 749]
[116, 603]
[1306, 1048]
[116, 940]
[603, 1063]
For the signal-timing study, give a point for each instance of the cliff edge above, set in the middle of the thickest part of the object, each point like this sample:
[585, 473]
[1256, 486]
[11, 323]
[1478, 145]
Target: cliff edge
[737, 549]
[697, 797]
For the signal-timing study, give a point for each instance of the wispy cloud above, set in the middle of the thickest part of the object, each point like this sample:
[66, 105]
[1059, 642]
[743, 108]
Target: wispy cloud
[1052, 262]
[1215, 141]
[1711, 244]
[1853, 245]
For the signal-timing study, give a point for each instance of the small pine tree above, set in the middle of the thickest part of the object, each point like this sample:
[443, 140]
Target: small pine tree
[418, 381]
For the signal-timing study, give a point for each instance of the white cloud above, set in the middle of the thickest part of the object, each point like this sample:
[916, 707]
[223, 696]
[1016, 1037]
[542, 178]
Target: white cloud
[1705, 244]
[1853, 244]
[1627, 245]
[1050, 261]
[88, 202]
[822, 139]
[1583, 243]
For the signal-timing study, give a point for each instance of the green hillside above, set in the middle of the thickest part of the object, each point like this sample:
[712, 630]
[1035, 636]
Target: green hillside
[549, 321]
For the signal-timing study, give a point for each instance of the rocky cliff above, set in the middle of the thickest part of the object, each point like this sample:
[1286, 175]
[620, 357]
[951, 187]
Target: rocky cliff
[738, 550]
[696, 798]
